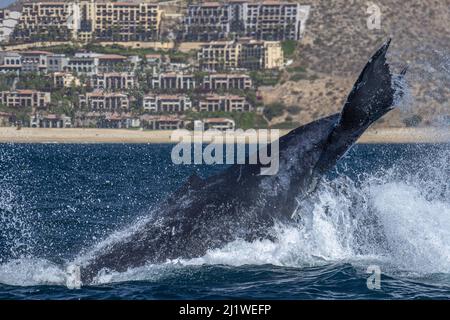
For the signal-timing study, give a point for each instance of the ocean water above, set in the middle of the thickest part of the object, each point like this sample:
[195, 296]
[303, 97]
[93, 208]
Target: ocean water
[384, 205]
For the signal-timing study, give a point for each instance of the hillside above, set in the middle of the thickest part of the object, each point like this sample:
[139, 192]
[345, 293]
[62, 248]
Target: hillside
[338, 43]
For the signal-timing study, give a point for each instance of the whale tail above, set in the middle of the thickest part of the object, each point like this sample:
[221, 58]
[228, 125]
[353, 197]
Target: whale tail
[372, 96]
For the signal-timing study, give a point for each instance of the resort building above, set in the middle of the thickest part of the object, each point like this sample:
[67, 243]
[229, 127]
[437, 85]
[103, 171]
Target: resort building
[245, 53]
[274, 20]
[34, 61]
[255, 55]
[119, 121]
[112, 62]
[262, 20]
[208, 21]
[8, 21]
[228, 103]
[173, 81]
[102, 101]
[166, 103]
[219, 124]
[88, 20]
[112, 81]
[161, 122]
[219, 55]
[50, 121]
[56, 62]
[10, 62]
[80, 64]
[119, 21]
[65, 80]
[25, 99]
[46, 21]
[225, 81]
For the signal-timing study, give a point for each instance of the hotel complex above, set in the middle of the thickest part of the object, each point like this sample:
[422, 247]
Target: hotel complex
[243, 54]
[239, 48]
[262, 20]
[88, 20]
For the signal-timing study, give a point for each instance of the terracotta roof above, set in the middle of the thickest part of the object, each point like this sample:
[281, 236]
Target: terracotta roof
[160, 118]
[230, 75]
[105, 94]
[210, 4]
[114, 74]
[51, 116]
[170, 96]
[112, 57]
[153, 55]
[209, 120]
[25, 91]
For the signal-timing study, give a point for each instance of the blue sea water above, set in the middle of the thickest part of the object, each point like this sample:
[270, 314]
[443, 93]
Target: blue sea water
[57, 200]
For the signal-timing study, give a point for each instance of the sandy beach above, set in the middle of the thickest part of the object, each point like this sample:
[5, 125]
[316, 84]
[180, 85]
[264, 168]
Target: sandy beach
[78, 135]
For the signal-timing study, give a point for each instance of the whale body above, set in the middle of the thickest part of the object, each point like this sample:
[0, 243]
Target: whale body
[239, 203]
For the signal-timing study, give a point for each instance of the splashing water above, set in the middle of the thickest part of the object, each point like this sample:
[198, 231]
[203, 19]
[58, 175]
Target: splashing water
[396, 216]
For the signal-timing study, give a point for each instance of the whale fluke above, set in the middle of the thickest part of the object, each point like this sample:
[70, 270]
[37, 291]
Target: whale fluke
[371, 97]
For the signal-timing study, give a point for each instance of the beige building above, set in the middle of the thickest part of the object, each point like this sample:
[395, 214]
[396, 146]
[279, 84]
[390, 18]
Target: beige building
[260, 54]
[219, 124]
[219, 55]
[88, 20]
[173, 81]
[25, 99]
[226, 81]
[166, 122]
[65, 80]
[167, 103]
[50, 121]
[263, 20]
[8, 21]
[46, 21]
[102, 101]
[245, 53]
[228, 103]
[112, 81]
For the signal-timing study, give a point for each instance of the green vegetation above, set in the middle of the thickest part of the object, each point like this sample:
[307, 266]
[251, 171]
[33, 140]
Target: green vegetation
[289, 47]
[62, 103]
[181, 57]
[244, 120]
[274, 110]
[296, 69]
[35, 81]
[21, 114]
[297, 73]
[285, 125]
[265, 78]
[294, 110]
[71, 49]
[119, 49]
[6, 81]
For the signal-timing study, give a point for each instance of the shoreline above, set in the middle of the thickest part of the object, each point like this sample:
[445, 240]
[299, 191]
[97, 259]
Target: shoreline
[87, 136]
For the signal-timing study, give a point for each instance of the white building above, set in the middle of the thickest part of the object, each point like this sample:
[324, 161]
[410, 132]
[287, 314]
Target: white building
[166, 103]
[219, 124]
[8, 20]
